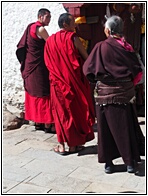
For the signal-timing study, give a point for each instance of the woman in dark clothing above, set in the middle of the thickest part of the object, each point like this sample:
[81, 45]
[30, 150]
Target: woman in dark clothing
[115, 69]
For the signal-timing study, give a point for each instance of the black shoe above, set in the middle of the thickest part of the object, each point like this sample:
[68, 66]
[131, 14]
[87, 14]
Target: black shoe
[109, 168]
[49, 130]
[130, 169]
[39, 126]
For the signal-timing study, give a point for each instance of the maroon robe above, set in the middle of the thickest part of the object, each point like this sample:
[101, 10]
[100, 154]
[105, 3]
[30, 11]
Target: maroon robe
[110, 58]
[70, 91]
[30, 53]
[114, 68]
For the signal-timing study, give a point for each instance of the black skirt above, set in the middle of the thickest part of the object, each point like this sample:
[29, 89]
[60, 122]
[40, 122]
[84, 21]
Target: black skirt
[117, 133]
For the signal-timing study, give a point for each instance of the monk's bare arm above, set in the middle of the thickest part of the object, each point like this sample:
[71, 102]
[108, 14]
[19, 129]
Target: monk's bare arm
[41, 31]
[78, 44]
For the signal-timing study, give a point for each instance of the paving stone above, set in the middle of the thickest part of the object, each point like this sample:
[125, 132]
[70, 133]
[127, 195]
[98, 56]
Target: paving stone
[24, 146]
[50, 166]
[136, 183]
[105, 188]
[62, 183]
[16, 161]
[44, 179]
[17, 174]
[18, 177]
[69, 185]
[52, 140]
[115, 179]
[14, 149]
[31, 166]
[37, 153]
[51, 155]
[19, 137]
[28, 188]
[89, 161]
[38, 145]
[8, 184]
[48, 154]
[91, 174]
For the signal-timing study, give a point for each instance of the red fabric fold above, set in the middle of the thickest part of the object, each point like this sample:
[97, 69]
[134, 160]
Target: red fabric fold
[30, 53]
[70, 90]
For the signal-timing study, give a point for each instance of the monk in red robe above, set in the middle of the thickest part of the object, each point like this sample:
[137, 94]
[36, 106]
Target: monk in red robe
[30, 53]
[73, 110]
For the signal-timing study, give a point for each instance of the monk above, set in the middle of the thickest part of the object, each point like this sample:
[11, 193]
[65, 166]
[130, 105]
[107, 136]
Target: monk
[115, 68]
[73, 110]
[30, 53]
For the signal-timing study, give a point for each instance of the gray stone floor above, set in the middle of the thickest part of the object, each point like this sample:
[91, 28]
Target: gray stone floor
[30, 166]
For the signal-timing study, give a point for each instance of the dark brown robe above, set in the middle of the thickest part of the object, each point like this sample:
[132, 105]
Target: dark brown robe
[114, 68]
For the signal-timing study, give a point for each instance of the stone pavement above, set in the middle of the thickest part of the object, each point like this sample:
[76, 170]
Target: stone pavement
[30, 166]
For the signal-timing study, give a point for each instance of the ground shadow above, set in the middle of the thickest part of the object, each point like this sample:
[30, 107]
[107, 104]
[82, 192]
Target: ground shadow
[128, 192]
[142, 123]
[90, 192]
[89, 150]
[141, 111]
[140, 169]
[95, 127]
[120, 168]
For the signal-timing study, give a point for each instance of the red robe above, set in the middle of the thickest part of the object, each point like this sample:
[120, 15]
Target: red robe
[30, 53]
[70, 91]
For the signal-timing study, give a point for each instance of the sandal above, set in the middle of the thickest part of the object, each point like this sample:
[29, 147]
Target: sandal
[76, 149]
[57, 150]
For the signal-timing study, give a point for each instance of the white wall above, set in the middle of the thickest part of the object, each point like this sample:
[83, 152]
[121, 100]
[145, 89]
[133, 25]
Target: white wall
[15, 18]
